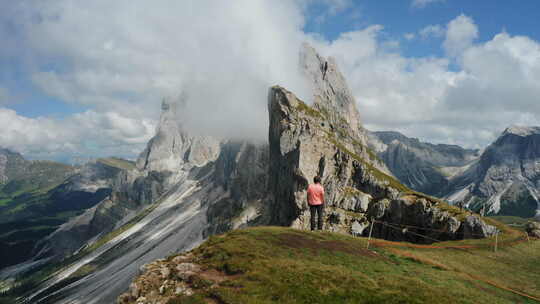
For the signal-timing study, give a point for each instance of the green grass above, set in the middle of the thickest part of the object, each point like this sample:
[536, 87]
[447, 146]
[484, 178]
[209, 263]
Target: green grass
[117, 163]
[283, 265]
[514, 221]
[5, 201]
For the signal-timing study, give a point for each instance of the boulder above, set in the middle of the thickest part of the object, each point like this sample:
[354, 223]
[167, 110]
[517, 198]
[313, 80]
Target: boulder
[533, 229]
[474, 228]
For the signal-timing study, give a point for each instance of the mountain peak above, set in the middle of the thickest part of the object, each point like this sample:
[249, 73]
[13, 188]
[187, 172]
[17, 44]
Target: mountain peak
[522, 130]
[330, 89]
[165, 150]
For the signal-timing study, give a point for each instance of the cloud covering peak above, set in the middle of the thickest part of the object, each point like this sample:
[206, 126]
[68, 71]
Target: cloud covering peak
[117, 60]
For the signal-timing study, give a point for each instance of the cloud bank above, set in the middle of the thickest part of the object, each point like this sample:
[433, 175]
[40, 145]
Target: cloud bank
[119, 59]
[490, 86]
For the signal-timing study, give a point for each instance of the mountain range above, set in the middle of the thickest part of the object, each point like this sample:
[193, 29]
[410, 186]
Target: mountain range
[503, 179]
[184, 188]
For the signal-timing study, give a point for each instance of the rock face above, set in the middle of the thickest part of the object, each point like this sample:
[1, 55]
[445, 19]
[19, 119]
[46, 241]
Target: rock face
[166, 161]
[533, 229]
[506, 178]
[172, 147]
[169, 202]
[330, 90]
[322, 140]
[9, 163]
[421, 166]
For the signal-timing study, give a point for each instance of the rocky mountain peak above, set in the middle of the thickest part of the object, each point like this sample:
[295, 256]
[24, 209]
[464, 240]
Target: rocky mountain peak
[522, 131]
[331, 92]
[166, 149]
[172, 147]
[506, 179]
[12, 164]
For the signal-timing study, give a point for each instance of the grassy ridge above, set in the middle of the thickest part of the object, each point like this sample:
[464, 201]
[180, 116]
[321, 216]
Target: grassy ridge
[271, 264]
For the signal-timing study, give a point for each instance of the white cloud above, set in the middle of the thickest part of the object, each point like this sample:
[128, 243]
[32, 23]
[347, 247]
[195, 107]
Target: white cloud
[88, 133]
[409, 36]
[495, 84]
[460, 34]
[424, 3]
[120, 58]
[337, 6]
[432, 31]
[124, 56]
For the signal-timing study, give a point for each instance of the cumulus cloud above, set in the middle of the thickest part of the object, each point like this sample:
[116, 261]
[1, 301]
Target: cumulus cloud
[460, 34]
[409, 36]
[493, 86]
[98, 134]
[120, 58]
[432, 31]
[424, 3]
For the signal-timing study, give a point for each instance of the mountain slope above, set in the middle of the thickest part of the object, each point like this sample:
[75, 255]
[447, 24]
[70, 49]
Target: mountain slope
[282, 265]
[421, 166]
[506, 179]
[36, 197]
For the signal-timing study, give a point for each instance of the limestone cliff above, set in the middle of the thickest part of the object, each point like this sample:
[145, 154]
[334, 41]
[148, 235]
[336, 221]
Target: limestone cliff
[303, 144]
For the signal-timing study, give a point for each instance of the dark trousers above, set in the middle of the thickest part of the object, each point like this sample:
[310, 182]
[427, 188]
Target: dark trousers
[317, 209]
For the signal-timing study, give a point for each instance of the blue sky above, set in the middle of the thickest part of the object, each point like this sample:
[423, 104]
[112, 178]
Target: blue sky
[86, 78]
[401, 17]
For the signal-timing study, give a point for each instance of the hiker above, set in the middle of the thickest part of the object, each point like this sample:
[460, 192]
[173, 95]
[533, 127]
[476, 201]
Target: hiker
[315, 198]
[460, 205]
[325, 69]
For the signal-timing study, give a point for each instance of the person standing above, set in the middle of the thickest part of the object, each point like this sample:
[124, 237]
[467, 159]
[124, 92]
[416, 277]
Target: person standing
[315, 197]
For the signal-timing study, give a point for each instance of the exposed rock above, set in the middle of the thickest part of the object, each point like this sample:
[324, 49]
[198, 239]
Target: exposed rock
[421, 166]
[533, 229]
[506, 179]
[474, 228]
[172, 147]
[331, 92]
[357, 229]
[165, 272]
[320, 140]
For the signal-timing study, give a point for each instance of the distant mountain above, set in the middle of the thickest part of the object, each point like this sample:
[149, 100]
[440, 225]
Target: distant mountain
[36, 197]
[506, 178]
[421, 166]
[10, 163]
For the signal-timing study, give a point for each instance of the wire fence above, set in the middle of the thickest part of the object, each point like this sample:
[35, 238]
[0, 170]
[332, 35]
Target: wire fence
[495, 244]
[409, 229]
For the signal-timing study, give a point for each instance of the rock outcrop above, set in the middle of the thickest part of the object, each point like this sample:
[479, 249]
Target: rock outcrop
[506, 178]
[327, 140]
[533, 229]
[171, 148]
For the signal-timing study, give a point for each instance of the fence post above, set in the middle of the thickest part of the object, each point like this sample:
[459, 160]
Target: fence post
[370, 231]
[528, 240]
[496, 240]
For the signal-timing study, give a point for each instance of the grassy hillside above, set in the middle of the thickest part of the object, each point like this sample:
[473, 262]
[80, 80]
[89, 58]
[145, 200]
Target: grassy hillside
[282, 265]
[117, 163]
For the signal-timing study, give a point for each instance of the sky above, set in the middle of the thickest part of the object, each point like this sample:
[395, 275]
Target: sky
[82, 79]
